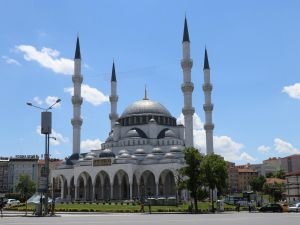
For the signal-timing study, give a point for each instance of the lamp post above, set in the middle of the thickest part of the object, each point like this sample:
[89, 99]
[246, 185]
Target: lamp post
[46, 128]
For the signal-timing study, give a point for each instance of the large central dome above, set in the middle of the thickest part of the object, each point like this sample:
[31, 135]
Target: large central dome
[146, 107]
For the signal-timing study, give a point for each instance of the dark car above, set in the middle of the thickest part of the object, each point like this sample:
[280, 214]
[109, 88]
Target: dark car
[271, 207]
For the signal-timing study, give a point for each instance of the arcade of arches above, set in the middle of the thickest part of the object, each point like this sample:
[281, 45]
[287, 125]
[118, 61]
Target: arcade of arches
[119, 188]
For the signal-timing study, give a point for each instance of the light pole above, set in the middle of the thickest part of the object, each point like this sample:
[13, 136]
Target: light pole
[46, 128]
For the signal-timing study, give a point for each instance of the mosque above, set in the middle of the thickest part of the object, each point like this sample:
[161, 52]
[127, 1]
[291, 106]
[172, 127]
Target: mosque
[144, 148]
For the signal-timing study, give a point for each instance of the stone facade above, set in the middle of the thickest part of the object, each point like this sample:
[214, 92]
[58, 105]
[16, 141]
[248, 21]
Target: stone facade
[18, 166]
[293, 187]
[4, 174]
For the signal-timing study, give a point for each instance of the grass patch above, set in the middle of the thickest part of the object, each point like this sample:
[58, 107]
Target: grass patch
[120, 208]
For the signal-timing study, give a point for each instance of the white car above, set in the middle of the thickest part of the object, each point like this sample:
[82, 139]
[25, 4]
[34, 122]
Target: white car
[12, 201]
[294, 207]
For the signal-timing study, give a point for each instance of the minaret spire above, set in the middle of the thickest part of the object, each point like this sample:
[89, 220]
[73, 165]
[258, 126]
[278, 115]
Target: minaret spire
[185, 32]
[77, 50]
[208, 106]
[113, 73]
[187, 88]
[77, 99]
[206, 63]
[113, 98]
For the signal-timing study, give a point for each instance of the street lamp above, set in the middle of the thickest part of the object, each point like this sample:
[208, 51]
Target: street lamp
[46, 128]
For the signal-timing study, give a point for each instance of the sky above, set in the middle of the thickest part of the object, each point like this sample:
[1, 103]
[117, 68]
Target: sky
[253, 48]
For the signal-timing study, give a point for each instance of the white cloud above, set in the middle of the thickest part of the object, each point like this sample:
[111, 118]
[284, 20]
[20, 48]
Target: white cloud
[37, 100]
[9, 60]
[47, 58]
[50, 100]
[264, 149]
[223, 145]
[59, 138]
[284, 147]
[89, 94]
[293, 90]
[88, 145]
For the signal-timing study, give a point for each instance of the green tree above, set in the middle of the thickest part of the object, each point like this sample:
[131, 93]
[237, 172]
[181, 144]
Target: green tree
[26, 187]
[180, 182]
[274, 190]
[214, 173]
[257, 183]
[280, 174]
[270, 175]
[191, 172]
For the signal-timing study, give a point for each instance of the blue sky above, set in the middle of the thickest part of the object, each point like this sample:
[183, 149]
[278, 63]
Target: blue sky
[253, 48]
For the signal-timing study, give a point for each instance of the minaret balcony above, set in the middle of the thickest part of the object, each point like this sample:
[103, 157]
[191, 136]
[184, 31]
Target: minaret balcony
[208, 107]
[76, 122]
[187, 87]
[113, 116]
[207, 87]
[189, 111]
[77, 79]
[186, 63]
[209, 126]
[76, 100]
[113, 98]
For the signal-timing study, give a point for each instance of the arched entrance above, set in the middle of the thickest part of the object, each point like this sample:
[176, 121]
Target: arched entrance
[167, 186]
[102, 186]
[85, 187]
[121, 187]
[147, 185]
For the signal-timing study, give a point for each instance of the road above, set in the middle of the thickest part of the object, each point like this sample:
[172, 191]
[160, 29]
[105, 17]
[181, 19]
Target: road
[242, 218]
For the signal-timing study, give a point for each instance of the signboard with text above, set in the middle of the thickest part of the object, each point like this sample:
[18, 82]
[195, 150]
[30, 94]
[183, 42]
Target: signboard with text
[102, 162]
[42, 184]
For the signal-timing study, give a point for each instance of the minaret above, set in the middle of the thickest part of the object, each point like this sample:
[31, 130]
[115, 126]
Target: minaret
[77, 99]
[208, 107]
[187, 87]
[113, 98]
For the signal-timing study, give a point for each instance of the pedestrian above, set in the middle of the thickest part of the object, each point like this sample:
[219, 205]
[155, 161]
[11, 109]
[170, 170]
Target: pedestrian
[142, 207]
[1, 206]
[249, 207]
[238, 207]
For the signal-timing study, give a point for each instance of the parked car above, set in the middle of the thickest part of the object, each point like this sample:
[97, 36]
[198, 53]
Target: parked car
[294, 207]
[12, 201]
[271, 207]
[285, 207]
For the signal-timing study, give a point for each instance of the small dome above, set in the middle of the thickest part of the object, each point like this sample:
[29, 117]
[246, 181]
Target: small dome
[82, 155]
[176, 149]
[117, 123]
[151, 156]
[122, 151]
[125, 156]
[91, 154]
[132, 134]
[152, 120]
[169, 155]
[157, 151]
[89, 157]
[74, 157]
[170, 133]
[134, 157]
[107, 153]
[140, 151]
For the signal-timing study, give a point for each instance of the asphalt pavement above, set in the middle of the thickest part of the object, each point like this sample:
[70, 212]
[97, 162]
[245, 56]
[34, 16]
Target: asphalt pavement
[228, 218]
